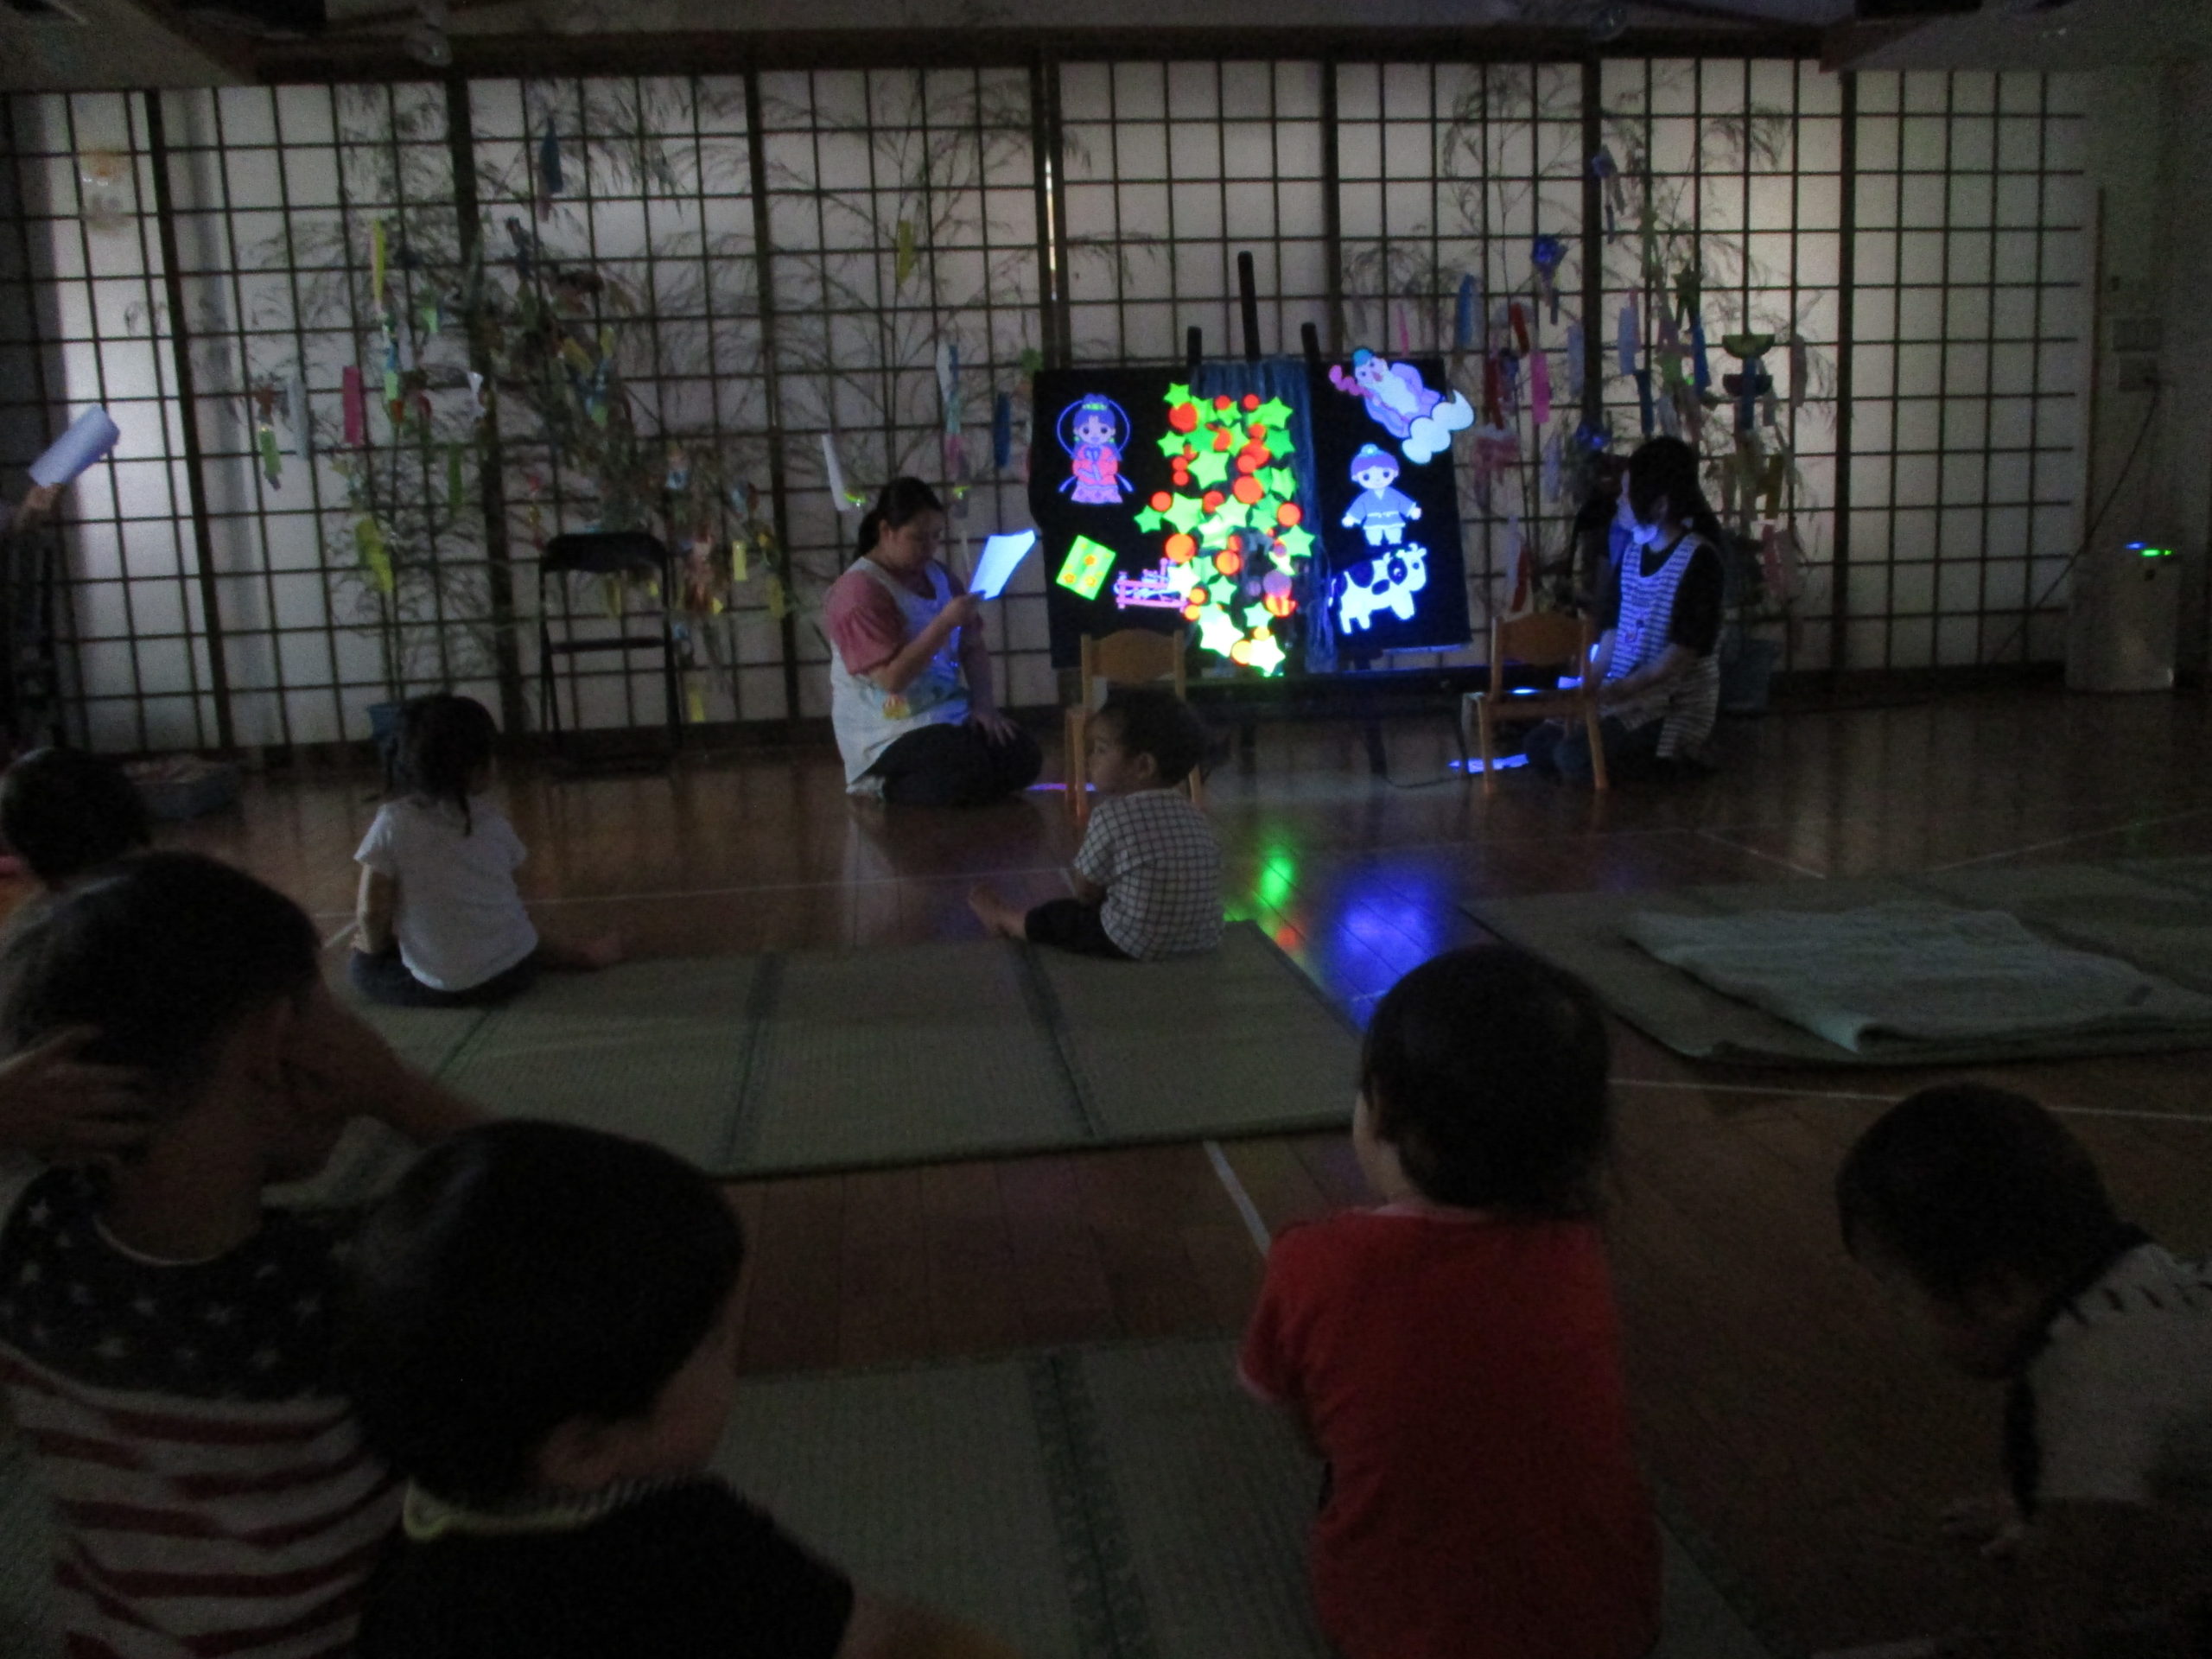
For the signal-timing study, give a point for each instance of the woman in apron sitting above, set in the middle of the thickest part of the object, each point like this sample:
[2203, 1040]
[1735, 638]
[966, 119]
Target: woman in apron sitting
[1659, 680]
[910, 675]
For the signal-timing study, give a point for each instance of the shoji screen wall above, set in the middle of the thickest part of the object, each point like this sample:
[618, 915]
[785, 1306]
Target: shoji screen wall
[784, 257]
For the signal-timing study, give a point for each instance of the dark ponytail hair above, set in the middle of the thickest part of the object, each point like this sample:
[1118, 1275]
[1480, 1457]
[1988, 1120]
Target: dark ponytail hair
[1668, 466]
[444, 740]
[902, 500]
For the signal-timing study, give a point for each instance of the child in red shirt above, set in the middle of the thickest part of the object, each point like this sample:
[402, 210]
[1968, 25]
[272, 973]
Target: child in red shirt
[1454, 1354]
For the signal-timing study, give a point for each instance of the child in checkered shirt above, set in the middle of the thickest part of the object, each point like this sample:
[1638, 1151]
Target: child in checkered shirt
[1147, 877]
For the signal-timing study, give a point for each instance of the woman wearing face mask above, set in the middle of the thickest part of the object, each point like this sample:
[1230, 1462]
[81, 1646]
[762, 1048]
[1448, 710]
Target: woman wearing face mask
[1660, 681]
[910, 675]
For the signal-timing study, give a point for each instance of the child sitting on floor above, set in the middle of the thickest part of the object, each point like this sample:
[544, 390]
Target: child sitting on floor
[543, 1337]
[440, 923]
[1989, 1224]
[1147, 877]
[1454, 1355]
[164, 1341]
[63, 812]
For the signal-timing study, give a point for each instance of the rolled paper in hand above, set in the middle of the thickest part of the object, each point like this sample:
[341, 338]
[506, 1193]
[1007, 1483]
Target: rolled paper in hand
[89, 438]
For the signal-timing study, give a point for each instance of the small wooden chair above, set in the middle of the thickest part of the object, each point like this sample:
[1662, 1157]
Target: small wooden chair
[1126, 657]
[1545, 640]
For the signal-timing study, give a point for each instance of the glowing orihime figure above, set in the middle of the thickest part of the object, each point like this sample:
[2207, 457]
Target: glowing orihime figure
[1092, 431]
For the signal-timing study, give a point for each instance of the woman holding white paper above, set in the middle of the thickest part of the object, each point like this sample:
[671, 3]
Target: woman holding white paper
[910, 675]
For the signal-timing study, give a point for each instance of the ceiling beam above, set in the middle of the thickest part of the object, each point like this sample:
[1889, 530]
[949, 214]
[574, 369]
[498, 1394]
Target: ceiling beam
[730, 52]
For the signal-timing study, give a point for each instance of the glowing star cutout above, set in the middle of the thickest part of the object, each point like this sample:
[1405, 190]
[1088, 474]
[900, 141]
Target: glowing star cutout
[1210, 467]
[1264, 653]
[1084, 571]
[1217, 632]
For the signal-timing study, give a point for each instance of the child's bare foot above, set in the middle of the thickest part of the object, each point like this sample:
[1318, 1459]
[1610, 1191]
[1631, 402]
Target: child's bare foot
[606, 951]
[996, 915]
[588, 957]
[1990, 1525]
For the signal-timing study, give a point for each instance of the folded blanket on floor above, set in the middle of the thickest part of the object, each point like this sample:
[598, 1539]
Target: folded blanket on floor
[1915, 970]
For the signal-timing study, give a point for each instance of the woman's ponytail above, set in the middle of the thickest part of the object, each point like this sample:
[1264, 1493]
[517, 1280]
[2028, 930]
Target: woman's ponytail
[871, 526]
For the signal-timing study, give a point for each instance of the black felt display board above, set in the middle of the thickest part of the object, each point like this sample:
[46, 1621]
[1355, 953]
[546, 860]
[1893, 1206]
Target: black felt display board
[1376, 575]
[1053, 486]
[1080, 493]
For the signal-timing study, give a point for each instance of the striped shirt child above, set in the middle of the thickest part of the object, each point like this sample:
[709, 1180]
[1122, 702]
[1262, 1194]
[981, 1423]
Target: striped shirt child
[211, 1491]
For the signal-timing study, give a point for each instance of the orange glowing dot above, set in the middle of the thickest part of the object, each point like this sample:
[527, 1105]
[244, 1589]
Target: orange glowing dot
[1161, 500]
[1220, 403]
[1184, 418]
[1289, 513]
[1212, 500]
[1248, 489]
[1246, 464]
[1241, 653]
[1251, 401]
[1229, 561]
[1180, 548]
[1257, 429]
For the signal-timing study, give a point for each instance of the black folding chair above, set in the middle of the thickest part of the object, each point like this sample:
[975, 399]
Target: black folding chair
[624, 553]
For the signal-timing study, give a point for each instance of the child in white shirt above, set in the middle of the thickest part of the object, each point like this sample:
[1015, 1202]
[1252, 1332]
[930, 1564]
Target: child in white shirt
[440, 923]
[1147, 877]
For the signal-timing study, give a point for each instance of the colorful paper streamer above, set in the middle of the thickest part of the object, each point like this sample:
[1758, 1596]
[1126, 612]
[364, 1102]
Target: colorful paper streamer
[356, 409]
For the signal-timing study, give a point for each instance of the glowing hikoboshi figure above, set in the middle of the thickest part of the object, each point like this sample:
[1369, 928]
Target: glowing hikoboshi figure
[1380, 510]
[1092, 431]
[1422, 420]
[1386, 583]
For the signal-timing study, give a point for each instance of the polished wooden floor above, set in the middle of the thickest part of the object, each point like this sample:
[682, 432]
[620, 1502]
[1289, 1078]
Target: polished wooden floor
[1777, 1396]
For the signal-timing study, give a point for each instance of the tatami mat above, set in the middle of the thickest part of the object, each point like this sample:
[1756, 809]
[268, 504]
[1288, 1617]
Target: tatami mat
[758, 1065]
[1120, 1501]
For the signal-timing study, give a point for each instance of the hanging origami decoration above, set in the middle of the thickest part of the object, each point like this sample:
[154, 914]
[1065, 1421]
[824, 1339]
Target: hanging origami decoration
[1552, 469]
[1522, 567]
[1701, 367]
[1519, 314]
[1470, 308]
[1628, 344]
[906, 257]
[1801, 371]
[354, 404]
[1539, 387]
[300, 417]
[1577, 368]
[832, 471]
[1753, 383]
[1494, 451]
[948, 387]
[455, 478]
[377, 264]
[1546, 254]
[375, 554]
[272, 461]
[1607, 172]
[1001, 431]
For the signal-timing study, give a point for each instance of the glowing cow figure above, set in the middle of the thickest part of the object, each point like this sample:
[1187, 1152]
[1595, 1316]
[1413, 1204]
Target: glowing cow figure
[1386, 583]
